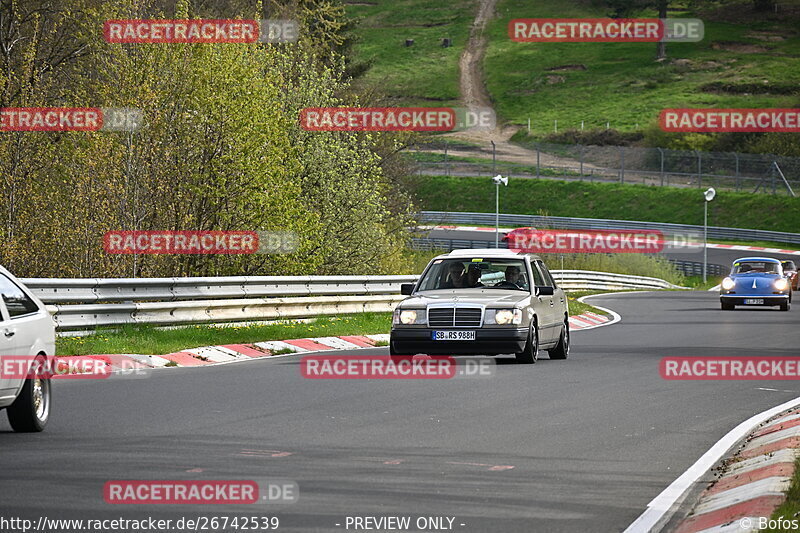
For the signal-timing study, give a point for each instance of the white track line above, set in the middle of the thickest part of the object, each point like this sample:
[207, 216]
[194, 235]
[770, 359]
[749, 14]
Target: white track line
[614, 316]
[673, 495]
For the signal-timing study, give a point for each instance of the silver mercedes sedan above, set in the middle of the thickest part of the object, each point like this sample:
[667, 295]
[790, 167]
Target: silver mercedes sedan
[482, 302]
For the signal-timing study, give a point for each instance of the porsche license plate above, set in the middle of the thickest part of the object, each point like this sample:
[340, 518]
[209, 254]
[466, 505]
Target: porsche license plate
[754, 301]
[453, 335]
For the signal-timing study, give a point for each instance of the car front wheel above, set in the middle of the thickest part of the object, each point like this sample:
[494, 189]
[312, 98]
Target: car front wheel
[528, 355]
[561, 351]
[31, 410]
[785, 306]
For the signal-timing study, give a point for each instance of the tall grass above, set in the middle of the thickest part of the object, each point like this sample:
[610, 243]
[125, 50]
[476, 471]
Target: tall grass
[631, 264]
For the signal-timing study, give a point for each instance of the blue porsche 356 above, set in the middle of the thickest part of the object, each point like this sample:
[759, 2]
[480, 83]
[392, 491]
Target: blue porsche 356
[756, 281]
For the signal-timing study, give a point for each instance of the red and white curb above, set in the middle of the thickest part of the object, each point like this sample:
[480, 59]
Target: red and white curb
[754, 482]
[710, 245]
[751, 487]
[229, 353]
[587, 320]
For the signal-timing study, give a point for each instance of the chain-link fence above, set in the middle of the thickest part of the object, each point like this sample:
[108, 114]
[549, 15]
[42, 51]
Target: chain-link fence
[756, 173]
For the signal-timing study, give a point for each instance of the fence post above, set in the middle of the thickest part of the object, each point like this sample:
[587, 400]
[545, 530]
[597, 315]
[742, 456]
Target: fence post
[660, 151]
[736, 155]
[621, 164]
[446, 165]
[555, 126]
[773, 177]
[494, 157]
[529, 125]
[580, 150]
[537, 160]
[699, 169]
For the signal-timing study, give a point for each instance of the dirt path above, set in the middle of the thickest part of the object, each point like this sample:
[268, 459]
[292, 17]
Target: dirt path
[474, 93]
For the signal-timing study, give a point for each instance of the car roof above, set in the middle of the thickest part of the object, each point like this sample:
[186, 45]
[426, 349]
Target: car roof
[763, 259]
[487, 253]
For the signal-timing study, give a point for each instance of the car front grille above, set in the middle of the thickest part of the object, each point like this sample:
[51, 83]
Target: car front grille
[460, 317]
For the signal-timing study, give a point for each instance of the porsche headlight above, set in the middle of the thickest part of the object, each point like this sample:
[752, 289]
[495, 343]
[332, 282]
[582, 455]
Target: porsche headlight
[728, 284]
[508, 316]
[781, 284]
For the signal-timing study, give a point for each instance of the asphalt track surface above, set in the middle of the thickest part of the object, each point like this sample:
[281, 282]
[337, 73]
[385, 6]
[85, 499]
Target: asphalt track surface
[591, 439]
[715, 255]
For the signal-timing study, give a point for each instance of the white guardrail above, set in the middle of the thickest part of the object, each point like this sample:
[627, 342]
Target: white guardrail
[85, 304]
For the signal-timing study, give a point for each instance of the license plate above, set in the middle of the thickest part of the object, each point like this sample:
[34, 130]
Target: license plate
[754, 301]
[453, 335]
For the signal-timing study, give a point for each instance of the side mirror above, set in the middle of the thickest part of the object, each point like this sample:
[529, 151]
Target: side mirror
[544, 290]
[406, 289]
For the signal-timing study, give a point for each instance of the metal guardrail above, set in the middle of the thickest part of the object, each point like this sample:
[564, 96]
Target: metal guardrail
[581, 280]
[537, 221]
[96, 290]
[689, 268]
[76, 303]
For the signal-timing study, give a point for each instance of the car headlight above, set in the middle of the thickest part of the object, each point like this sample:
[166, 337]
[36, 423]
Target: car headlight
[408, 316]
[781, 284]
[728, 284]
[508, 316]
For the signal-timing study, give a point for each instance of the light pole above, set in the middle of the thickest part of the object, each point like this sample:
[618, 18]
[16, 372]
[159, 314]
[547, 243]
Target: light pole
[708, 196]
[497, 180]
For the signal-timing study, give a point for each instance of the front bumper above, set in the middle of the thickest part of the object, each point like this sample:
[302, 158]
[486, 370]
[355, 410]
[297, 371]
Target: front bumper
[488, 341]
[769, 299]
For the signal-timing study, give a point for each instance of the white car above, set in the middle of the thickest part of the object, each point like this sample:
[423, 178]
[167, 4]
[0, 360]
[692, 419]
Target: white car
[26, 329]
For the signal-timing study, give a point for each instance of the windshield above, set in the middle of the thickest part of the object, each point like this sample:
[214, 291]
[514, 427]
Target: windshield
[746, 267]
[464, 273]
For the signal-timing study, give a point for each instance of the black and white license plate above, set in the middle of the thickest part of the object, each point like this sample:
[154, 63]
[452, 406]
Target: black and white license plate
[754, 301]
[453, 335]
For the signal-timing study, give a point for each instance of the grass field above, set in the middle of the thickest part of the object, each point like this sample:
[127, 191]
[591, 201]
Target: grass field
[604, 200]
[424, 74]
[619, 83]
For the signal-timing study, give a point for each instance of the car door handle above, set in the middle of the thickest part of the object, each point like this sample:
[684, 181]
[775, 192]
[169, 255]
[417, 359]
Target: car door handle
[9, 333]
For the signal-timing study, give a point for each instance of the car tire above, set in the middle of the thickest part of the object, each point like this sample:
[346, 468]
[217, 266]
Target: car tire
[31, 410]
[727, 307]
[529, 354]
[561, 351]
[786, 306]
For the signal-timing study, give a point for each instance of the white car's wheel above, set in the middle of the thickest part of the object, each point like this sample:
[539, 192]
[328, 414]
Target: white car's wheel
[31, 410]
